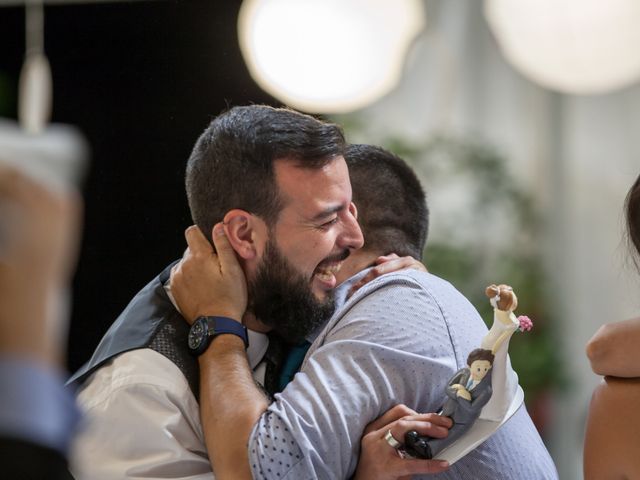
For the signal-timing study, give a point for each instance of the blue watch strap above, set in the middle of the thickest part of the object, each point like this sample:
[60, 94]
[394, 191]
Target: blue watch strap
[219, 325]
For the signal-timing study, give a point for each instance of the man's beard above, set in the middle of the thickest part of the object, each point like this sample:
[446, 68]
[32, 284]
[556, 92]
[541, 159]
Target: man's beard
[281, 298]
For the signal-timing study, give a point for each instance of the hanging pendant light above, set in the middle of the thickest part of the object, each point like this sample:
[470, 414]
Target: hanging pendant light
[328, 56]
[573, 46]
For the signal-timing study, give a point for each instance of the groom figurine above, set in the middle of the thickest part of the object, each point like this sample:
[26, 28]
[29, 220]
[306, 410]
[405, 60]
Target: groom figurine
[467, 392]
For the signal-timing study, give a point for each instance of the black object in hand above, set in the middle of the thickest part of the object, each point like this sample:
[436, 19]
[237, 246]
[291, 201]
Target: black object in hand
[416, 445]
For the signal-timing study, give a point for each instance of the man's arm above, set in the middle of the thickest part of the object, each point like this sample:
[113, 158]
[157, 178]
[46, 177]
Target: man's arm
[230, 405]
[230, 401]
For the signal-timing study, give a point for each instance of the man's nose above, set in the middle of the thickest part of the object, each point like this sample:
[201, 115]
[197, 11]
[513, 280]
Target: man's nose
[352, 237]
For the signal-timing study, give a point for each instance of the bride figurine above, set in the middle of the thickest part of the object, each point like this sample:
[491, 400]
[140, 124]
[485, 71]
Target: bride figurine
[504, 301]
[504, 378]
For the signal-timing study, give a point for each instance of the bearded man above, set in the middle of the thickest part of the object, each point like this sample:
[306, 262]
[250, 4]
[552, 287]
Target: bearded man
[278, 181]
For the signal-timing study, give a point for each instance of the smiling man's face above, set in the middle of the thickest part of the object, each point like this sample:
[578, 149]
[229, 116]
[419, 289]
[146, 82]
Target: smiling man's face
[315, 231]
[317, 227]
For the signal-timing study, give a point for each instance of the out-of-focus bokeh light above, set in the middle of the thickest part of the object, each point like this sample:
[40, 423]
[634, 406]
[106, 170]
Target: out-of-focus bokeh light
[573, 46]
[328, 56]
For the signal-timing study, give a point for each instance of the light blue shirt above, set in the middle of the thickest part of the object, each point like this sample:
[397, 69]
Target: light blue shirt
[35, 406]
[399, 339]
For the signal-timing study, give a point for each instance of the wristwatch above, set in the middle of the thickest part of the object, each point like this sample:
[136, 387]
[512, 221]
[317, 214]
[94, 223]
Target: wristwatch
[204, 329]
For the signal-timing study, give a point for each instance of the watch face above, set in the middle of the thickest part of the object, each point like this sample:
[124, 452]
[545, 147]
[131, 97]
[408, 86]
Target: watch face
[196, 334]
[206, 328]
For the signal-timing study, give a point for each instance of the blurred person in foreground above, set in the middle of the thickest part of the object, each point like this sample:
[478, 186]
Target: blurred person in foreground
[612, 440]
[39, 232]
[399, 338]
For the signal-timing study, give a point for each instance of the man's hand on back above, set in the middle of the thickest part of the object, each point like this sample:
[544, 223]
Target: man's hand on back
[387, 264]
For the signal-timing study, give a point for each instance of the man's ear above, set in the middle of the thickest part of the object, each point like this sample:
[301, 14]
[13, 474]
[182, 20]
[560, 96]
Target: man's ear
[245, 232]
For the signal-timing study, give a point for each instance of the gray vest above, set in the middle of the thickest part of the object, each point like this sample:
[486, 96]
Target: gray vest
[149, 321]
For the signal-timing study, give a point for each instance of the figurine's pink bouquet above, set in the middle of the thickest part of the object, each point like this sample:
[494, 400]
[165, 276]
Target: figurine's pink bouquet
[525, 323]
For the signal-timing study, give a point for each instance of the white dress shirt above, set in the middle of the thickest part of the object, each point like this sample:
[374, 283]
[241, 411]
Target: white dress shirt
[143, 421]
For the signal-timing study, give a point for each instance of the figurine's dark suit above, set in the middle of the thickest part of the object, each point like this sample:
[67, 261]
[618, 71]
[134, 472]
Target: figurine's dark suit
[463, 413]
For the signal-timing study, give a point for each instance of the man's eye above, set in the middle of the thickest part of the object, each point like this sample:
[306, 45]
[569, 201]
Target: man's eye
[333, 221]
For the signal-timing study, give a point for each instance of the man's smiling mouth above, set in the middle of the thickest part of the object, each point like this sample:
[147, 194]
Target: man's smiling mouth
[327, 269]
[327, 272]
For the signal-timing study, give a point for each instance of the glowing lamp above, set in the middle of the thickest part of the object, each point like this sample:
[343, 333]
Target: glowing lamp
[574, 46]
[329, 56]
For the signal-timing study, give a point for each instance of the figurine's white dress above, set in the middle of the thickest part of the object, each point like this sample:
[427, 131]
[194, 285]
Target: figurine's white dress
[504, 379]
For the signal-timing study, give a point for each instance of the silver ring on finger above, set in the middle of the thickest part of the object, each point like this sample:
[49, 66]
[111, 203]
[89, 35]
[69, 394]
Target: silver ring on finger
[390, 439]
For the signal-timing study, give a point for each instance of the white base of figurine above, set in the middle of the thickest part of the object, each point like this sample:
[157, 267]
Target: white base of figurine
[481, 430]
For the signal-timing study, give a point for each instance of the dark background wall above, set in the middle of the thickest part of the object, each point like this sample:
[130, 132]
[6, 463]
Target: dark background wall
[141, 80]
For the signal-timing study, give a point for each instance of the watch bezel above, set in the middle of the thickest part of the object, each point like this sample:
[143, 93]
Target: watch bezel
[196, 334]
[206, 328]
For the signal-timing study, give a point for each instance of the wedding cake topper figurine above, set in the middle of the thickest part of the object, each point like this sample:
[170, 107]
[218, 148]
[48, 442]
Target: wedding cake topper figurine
[485, 388]
[467, 392]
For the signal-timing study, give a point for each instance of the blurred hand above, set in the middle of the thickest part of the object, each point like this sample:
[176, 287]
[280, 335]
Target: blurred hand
[39, 236]
[387, 264]
[381, 461]
[206, 282]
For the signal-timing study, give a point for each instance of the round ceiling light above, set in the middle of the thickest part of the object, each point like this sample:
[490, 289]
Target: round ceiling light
[329, 56]
[574, 46]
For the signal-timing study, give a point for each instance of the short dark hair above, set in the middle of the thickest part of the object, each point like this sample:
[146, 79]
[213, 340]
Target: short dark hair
[632, 205]
[480, 354]
[231, 165]
[392, 207]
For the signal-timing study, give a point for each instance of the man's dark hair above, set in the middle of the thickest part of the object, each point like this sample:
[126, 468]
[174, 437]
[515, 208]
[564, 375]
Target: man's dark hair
[392, 208]
[231, 165]
[633, 218]
[480, 354]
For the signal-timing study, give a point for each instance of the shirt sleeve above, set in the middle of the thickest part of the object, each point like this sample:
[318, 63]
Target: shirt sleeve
[35, 406]
[142, 422]
[371, 360]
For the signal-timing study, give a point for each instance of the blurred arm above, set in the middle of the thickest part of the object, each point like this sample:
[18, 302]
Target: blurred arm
[39, 233]
[611, 437]
[38, 240]
[613, 350]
